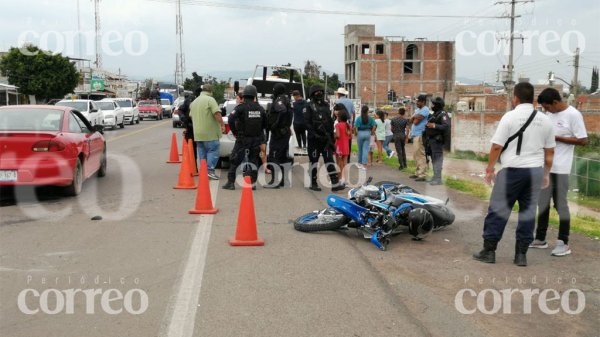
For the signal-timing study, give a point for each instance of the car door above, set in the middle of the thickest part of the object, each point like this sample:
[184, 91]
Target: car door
[94, 146]
[119, 115]
[95, 113]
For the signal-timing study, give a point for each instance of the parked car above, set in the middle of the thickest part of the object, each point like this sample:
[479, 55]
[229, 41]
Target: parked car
[149, 109]
[49, 145]
[112, 114]
[176, 118]
[87, 107]
[167, 107]
[132, 114]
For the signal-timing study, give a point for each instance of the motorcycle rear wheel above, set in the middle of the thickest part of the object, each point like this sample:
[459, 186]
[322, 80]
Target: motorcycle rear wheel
[324, 220]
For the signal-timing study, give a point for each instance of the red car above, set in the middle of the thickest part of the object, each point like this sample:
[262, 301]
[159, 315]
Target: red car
[49, 145]
[150, 109]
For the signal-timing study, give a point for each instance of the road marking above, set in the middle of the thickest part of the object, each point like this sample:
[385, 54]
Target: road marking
[135, 132]
[181, 312]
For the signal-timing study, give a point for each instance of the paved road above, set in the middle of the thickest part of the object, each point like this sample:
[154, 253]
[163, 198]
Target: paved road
[298, 284]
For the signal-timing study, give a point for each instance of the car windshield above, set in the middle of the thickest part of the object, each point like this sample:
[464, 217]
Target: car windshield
[165, 102]
[20, 119]
[146, 104]
[106, 105]
[79, 106]
[124, 103]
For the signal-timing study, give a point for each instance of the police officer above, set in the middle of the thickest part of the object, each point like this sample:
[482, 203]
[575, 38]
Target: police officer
[248, 122]
[279, 120]
[319, 125]
[436, 127]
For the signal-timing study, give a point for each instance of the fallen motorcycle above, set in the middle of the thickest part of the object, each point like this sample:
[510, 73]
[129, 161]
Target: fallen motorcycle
[380, 211]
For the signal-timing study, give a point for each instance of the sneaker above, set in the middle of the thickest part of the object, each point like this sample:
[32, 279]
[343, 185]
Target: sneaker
[421, 179]
[360, 166]
[561, 249]
[213, 176]
[393, 153]
[414, 176]
[435, 182]
[229, 186]
[338, 187]
[538, 244]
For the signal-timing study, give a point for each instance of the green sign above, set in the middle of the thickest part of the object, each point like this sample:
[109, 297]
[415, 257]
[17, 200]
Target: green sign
[97, 84]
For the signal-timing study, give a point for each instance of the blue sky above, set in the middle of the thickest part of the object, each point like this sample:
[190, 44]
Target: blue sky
[219, 40]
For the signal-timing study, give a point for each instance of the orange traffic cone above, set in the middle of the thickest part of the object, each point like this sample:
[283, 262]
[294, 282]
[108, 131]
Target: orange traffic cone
[183, 145]
[194, 164]
[186, 180]
[203, 200]
[245, 234]
[174, 156]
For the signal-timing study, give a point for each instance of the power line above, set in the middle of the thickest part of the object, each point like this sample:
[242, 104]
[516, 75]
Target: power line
[319, 11]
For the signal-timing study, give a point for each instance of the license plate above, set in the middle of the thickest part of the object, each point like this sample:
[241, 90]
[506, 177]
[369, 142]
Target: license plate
[8, 175]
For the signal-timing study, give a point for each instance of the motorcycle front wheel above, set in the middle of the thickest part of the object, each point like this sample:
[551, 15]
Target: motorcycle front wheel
[324, 220]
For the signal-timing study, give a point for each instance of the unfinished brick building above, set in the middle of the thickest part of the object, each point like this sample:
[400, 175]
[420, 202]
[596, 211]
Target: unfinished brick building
[374, 65]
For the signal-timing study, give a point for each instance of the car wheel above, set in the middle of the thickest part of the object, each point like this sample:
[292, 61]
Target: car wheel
[174, 125]
[75, 188]
[132, 121]
[102, 169]
[122, 125]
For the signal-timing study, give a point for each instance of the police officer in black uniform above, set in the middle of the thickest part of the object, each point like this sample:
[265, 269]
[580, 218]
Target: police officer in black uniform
[279, 120]
[319, 125]
[248, 122]
[436, 127]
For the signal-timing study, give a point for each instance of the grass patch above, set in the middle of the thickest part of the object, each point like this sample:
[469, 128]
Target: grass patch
[479, 190]
[468, 155]
[586, 201]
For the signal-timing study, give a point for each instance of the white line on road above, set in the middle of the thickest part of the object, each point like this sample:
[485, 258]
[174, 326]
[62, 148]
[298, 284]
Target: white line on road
[181, 312]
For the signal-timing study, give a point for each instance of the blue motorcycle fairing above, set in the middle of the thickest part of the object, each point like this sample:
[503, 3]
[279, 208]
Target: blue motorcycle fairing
[402, 208]
[348, 208]
[375, 240]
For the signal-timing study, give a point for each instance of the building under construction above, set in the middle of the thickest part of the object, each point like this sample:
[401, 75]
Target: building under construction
[383, 69]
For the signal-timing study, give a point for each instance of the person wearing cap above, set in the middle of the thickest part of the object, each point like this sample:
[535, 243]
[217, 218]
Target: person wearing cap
[342, 95]
[299, 106]
[208, 127]
[436, 127]
[419, 120]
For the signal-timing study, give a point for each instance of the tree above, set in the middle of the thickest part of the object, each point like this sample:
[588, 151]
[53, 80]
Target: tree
[40, 73]
[312, 70]
[193, 83]
[594, 86]
[218, 88]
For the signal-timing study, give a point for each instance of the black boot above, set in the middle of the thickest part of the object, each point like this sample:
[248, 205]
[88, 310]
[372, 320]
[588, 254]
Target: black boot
[488, 253]
[229, 186]
[315, 187]
[521, 254]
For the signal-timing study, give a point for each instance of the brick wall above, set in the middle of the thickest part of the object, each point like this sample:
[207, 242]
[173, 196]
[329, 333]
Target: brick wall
[472, 130]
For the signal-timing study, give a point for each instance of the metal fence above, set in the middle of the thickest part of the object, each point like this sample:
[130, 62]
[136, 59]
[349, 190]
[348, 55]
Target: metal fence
[585, 176]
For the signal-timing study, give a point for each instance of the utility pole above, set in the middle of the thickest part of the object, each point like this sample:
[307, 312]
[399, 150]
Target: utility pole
[575, 84]
[98, 34]
[508, 81]
[179, 56]
[79, 30]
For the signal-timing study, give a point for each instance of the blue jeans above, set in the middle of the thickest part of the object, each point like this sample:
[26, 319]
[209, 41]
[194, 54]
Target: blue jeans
[363, 140]
[208, 150]
[512, 185]
[386, 144]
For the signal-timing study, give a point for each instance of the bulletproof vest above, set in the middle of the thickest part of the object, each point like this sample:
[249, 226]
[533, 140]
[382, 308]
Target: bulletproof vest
[438, 119]
[321, 115]
[273, 114]
[252, 120]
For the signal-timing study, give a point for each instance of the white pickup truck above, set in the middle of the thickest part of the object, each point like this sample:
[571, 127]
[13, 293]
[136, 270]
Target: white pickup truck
[264, 85]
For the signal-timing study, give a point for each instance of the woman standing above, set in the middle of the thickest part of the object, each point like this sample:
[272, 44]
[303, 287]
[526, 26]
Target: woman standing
[380, 134]
[364, 129]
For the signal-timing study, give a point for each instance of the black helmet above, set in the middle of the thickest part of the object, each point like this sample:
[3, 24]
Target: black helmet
[438, 101]
[420, 223]
[278, 89]
[250, 91]
[314, 88]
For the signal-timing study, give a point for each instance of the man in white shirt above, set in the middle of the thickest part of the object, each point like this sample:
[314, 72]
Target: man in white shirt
[569, 130]
[524, 142]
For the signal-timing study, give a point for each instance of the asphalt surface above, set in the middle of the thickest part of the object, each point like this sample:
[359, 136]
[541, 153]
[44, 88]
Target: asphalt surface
[298, 284]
